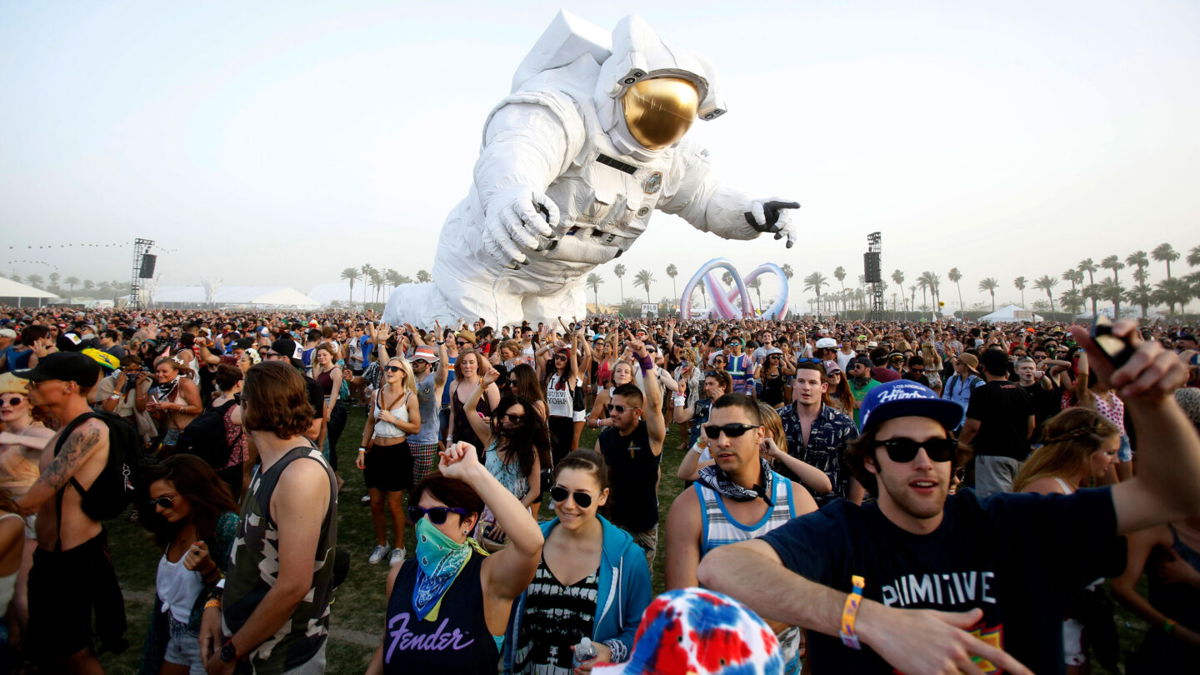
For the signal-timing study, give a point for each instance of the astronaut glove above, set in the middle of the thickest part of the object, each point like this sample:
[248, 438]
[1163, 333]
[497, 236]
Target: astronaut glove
[518, 221]
[774, 215]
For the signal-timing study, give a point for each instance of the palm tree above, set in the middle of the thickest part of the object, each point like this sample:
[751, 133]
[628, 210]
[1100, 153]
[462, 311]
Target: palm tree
[898, 277]
[757, 286]
[644, 278]
[1193, 258]
[930, 281]
[593, 281]
[839, 273]
[424, 277]
[923, 284]
[1047, 283]
[35, 280]
[391, 278]
[352, 275]
[1171, 292]
[367, 271]
[955, 276]
[814, 282]
[1019, 282]
[1086, 266]
[619, 271]
[376, 280]
[990, 285]
[89, 285]
[55, 276]
[672, 272]
[71, 283]
[1165, 254]
[1113, 263]
[1074, 276]
[1071, 301]
[1138, 259]
[1111, 291]
[1141, 295]
[789, 273]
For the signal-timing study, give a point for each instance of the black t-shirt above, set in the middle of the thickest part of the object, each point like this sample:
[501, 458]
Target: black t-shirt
[1020, 557]
[633, 466]
[1003, 411]
[1046, 403]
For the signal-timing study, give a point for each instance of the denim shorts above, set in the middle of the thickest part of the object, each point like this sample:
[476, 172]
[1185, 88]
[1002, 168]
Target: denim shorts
[1125, 452]
[183, 648]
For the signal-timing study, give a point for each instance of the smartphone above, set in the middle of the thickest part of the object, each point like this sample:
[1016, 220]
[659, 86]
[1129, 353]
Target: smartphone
[1117, 350]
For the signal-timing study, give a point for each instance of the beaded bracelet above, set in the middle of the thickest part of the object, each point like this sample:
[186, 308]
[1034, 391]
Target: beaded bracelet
[850, 613]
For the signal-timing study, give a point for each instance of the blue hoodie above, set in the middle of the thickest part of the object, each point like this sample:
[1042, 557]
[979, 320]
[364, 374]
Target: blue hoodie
[622, 597]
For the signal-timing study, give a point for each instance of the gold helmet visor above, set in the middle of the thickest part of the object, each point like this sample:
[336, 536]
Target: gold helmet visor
[659, 111]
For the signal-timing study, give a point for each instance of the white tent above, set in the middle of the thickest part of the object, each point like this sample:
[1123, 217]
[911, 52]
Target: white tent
[17, 293]
[233, 296]
[1010, 314]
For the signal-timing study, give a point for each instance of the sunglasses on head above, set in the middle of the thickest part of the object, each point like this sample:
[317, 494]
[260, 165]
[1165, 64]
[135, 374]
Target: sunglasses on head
[393, 369]
[731, 430]
[903, 450]
[437, 514]
[164, 502]
[560, 494]
[809, 361]
[12, 402]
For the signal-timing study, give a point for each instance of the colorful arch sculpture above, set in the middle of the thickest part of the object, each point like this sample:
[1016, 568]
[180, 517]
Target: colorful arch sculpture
[723, 300]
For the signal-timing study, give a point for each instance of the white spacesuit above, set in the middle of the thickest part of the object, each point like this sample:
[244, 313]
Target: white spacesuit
[574, 161]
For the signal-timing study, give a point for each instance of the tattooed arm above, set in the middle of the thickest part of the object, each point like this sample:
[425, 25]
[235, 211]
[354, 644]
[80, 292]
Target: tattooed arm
[82, 444]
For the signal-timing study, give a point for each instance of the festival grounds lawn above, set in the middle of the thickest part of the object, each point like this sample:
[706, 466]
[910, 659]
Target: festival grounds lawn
[360, 602]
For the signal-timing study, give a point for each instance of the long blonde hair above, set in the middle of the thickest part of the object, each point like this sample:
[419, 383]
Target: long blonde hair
[773, 424]
[410, 382]
[1070, 438]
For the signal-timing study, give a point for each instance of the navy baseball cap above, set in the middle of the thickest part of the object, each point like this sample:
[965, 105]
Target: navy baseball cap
[905, 398]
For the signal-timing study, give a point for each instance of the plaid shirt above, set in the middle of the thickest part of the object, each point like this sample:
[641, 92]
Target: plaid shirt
[831, 431]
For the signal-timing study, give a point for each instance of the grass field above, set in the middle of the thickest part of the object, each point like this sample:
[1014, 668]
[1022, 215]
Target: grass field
[359, 604]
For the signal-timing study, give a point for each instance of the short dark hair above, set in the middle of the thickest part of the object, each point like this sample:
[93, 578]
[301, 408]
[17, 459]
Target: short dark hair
[747, 404]
[723, 378]
[276, 400]
[810, 365]
[995, 362]
[631, 393]
[227, 376]
[449, 491]
[585, 460]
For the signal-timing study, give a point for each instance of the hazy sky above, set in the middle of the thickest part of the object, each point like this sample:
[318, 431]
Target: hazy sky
[280, 142]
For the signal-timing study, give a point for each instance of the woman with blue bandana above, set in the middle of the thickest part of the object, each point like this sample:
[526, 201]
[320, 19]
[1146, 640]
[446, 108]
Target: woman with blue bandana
[448, 607]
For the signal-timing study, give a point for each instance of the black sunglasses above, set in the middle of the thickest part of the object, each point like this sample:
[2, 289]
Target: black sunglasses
[904, 450]
[393, 369]
[165, 502]
[461, 343]
[559, 494]
[731, 430]
[515, 419]
[437, 514]
[619, 409]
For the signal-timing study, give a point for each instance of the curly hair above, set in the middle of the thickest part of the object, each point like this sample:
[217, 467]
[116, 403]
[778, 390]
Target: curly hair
[276, 400]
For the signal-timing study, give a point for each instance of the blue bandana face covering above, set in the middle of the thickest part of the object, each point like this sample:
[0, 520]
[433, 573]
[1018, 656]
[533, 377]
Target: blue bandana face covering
[440, 559]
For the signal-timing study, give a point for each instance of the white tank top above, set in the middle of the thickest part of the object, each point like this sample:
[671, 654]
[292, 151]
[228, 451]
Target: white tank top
[387, 429]
[177, 588]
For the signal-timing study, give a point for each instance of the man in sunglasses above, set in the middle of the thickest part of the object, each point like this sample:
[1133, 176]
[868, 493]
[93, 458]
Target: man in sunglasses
[944, 583]
[632, 447]
[739, 367]
[736, 499]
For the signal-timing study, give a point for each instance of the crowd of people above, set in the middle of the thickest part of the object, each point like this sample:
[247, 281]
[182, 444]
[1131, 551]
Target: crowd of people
[860, 496]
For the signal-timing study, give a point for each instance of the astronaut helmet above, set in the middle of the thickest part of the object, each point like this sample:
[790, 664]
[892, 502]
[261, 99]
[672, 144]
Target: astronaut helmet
[648, 95]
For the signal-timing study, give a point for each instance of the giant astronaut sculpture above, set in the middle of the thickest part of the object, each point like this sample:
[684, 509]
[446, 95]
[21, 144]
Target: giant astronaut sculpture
[574, 161]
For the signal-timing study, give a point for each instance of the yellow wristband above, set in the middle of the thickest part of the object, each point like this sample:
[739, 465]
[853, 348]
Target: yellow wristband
[850, 613]
[213, 603]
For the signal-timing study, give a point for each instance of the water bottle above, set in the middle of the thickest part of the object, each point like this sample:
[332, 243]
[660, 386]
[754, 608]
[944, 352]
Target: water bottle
[584, 651]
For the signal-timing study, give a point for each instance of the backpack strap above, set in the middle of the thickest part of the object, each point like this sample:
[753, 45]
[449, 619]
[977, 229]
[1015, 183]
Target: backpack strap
[58, 496]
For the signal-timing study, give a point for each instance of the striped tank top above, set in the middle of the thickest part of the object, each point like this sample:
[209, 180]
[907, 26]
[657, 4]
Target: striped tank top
[718, 527]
